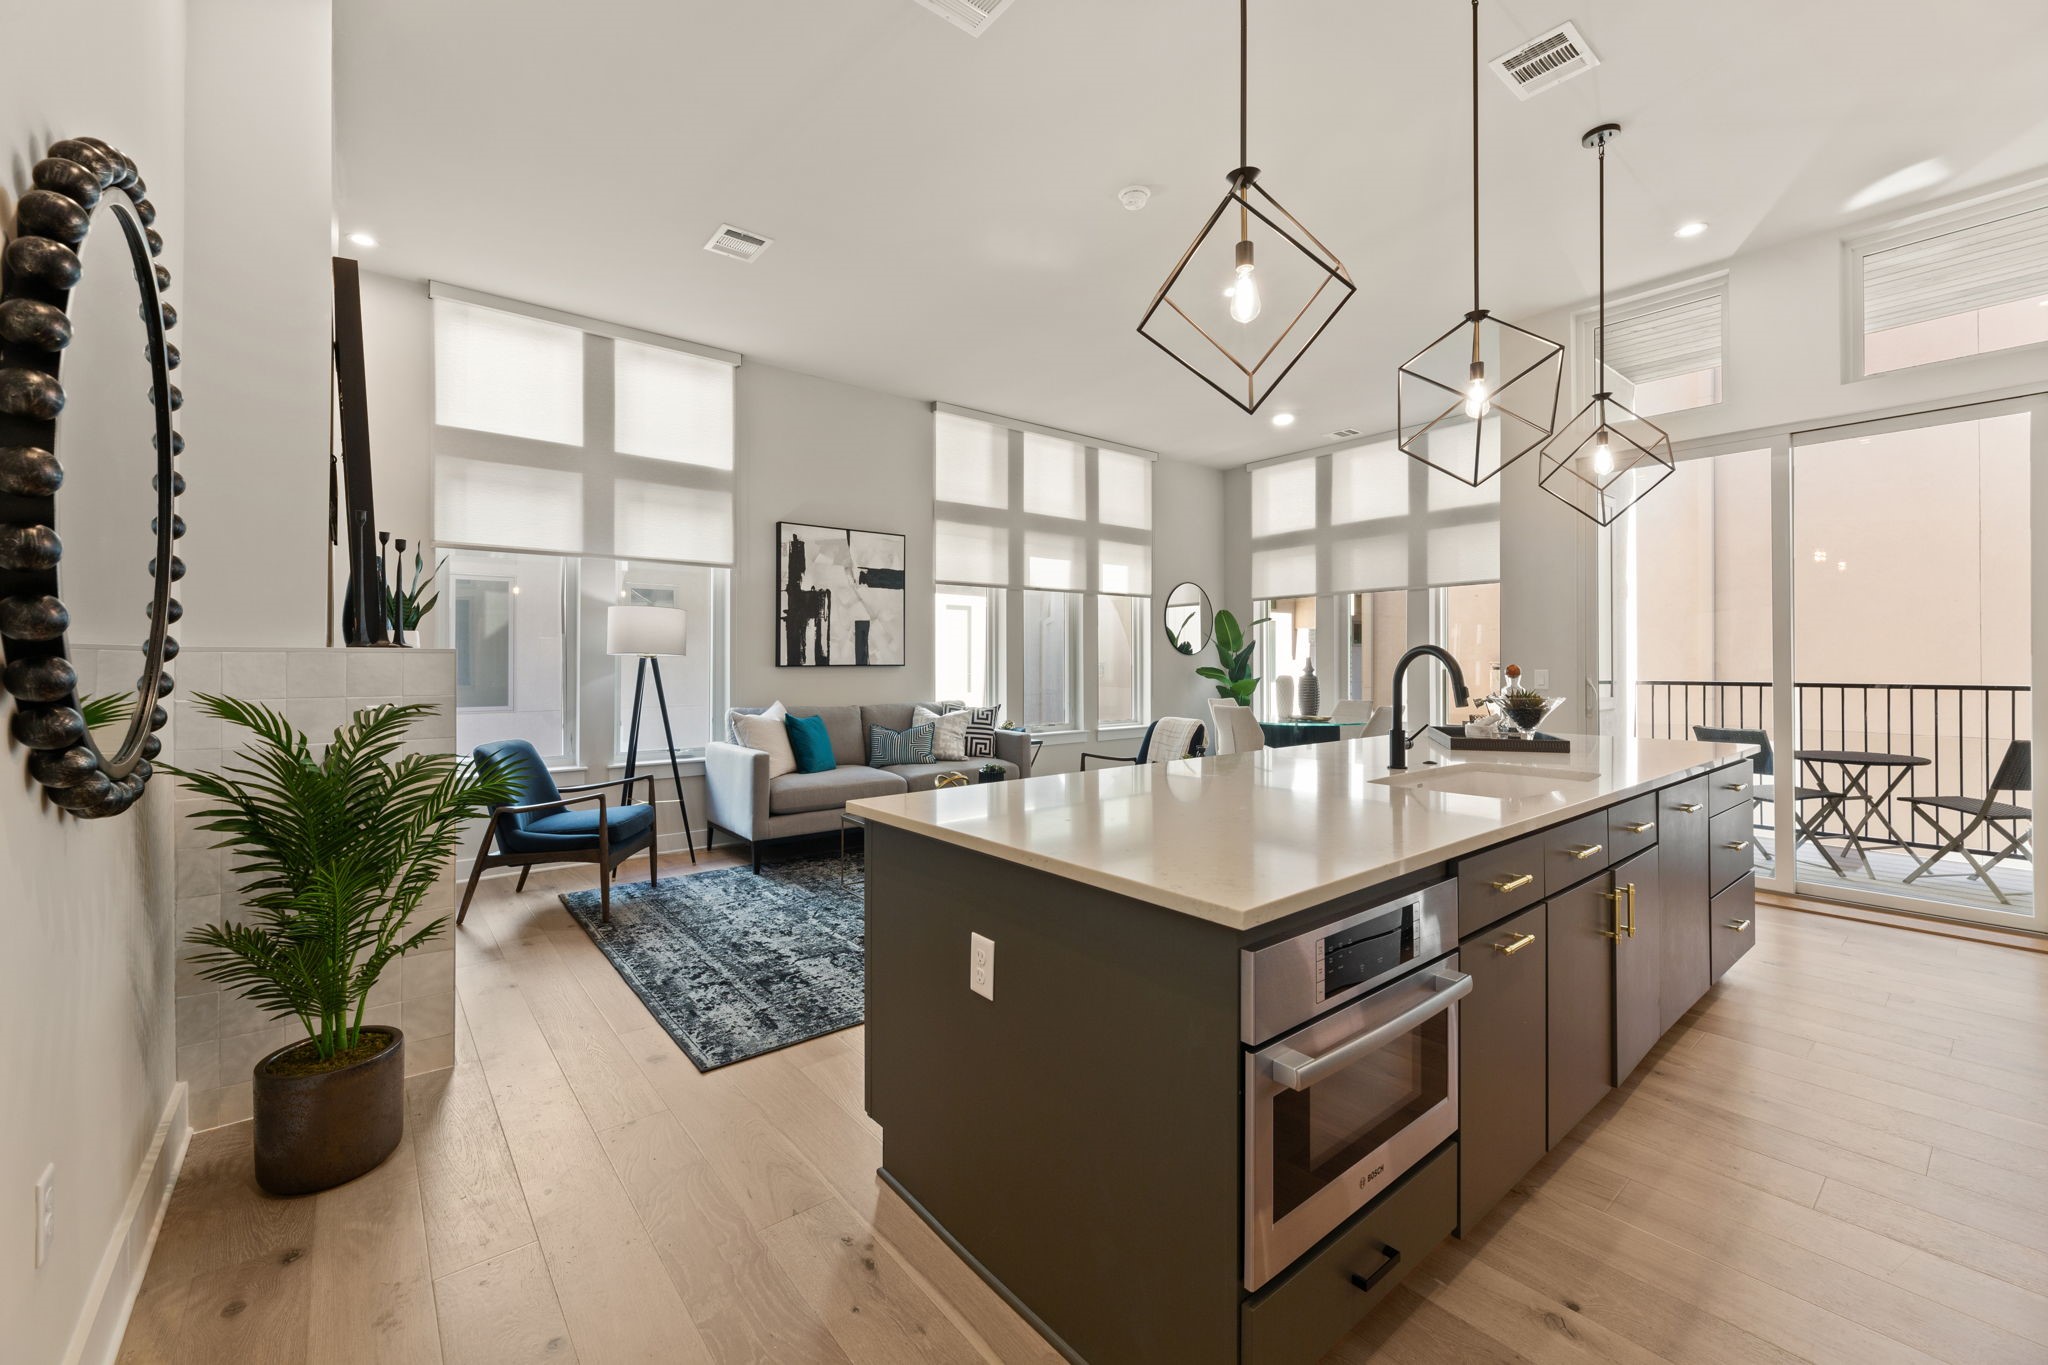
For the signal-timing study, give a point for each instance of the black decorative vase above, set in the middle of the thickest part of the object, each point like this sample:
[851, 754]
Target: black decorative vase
[316, 1132]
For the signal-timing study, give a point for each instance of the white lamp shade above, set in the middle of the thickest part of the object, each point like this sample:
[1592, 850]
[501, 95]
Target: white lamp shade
[646, 631]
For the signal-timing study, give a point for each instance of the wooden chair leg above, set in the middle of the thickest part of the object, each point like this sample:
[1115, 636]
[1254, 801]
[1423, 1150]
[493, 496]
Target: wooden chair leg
[522, 878]
[653, 868]
[476, 870]
[604, 892]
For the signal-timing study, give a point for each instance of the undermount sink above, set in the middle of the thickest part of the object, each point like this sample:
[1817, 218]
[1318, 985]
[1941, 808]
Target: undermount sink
[1502, 781]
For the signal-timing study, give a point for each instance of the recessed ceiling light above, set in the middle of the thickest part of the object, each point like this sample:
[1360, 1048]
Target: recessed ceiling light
[1692, 229]
[362, 239]
[1283, 419]
[1918, 176]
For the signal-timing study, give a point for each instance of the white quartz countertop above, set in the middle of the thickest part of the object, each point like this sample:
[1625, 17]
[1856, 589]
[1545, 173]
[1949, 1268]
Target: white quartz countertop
[1244, 839]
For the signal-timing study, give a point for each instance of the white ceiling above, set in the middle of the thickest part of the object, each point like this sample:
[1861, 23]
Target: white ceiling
[945, 211]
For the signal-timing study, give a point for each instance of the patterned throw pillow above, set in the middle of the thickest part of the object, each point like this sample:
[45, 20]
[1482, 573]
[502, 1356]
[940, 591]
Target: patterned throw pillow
[887, 748]
[981, 731]
[949, 732]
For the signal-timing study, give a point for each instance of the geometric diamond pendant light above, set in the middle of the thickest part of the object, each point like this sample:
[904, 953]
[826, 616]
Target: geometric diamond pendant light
[1606, 457]
[1483, 394]
[1255, 289]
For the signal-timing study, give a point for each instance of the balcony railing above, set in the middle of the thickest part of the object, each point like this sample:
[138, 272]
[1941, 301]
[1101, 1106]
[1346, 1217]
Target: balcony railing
[1961, 730]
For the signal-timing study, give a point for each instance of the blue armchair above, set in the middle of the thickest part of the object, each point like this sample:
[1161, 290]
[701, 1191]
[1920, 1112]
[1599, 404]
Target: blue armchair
[541, 825]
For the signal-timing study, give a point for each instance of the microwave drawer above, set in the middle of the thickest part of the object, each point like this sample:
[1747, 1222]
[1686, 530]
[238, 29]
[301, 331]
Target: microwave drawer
[1305, 1312]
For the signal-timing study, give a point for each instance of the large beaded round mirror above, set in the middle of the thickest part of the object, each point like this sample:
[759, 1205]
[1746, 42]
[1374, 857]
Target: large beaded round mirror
[85, 404]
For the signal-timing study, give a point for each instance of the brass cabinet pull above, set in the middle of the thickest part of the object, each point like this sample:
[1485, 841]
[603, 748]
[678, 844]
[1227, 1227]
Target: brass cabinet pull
[1687, 807]
[1642, 826]
[1738, 925]
[1506, 884]
[1623, 928]
[1735, 786]
[1583, 851]
[1520, 942]
[1736, 844]
[1631, 909]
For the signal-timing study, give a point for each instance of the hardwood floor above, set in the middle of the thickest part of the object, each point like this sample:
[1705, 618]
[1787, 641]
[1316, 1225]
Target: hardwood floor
[1837, 1156]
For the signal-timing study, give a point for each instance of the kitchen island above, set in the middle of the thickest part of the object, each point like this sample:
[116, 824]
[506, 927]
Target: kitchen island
[1172, 1054]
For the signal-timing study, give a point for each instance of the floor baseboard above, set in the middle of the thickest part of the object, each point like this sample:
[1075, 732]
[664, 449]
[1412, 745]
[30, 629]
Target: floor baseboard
[1919, 924]
[104, 1319]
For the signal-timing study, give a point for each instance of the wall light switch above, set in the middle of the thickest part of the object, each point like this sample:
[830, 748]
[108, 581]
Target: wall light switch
[1542, 679]
[46, 1213]
[981, 966]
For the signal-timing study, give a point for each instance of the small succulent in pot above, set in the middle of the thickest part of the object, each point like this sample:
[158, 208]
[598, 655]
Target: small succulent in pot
[1521, 707]
[993, 772]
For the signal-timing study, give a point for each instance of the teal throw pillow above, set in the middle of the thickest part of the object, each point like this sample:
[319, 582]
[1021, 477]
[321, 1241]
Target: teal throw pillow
[811, 745]
[887, 748]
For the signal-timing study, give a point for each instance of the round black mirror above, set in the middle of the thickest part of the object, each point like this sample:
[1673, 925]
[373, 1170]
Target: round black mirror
[1189, 618]
[85, 403]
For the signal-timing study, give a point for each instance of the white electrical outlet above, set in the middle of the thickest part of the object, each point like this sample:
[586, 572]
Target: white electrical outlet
[981, 966]
[46, 1213]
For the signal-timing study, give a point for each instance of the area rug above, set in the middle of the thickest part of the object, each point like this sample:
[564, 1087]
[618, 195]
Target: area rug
[733, 964]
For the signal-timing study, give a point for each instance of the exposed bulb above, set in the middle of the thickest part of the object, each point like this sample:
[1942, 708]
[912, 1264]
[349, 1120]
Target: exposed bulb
[1478, 399]
[1244, 295]
[1603, 455]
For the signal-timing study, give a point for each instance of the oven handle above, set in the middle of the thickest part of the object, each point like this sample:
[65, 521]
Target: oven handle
[1298, 1071]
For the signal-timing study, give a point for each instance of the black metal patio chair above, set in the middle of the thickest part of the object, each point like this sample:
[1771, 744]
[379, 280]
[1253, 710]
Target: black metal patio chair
[1763, 787]
[2003, 819]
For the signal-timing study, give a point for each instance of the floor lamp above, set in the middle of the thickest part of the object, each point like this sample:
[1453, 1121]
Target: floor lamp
[647, 634]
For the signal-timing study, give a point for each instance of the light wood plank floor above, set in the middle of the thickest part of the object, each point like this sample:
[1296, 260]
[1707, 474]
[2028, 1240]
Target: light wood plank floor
[1838, 1156]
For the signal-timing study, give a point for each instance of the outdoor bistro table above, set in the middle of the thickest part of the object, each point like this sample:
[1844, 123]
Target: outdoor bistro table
[1857, 765]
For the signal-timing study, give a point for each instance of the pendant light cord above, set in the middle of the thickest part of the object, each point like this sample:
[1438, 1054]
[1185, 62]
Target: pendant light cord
[1244, 99]
[1600, 333]
[1475, 155]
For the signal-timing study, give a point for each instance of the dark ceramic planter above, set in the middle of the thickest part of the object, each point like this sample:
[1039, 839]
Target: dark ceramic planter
[316, 1132]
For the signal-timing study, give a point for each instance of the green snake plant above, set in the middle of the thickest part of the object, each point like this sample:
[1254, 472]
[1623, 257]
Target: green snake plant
[1234, 650]
[337, 851]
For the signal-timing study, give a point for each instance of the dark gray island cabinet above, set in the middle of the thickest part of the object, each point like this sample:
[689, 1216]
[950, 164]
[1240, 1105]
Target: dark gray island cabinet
[1071, 1046]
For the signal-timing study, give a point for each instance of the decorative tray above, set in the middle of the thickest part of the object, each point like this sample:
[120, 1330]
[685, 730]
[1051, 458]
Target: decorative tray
[1454, 737]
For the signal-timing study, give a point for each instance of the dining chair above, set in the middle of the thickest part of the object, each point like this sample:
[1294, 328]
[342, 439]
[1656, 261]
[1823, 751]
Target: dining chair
[2016, 775]
[1351, 712]
[539, 825]
[1236, 728]
[1380, 722]
[1166, 739]
[1763, 787]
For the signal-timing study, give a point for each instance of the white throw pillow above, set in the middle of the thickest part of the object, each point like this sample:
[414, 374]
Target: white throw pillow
[949, 733]
[768, 733]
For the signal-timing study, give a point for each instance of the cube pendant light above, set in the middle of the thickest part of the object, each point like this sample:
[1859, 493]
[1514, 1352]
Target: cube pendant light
[1606, 458]
[1252, 293]
[1483, 394]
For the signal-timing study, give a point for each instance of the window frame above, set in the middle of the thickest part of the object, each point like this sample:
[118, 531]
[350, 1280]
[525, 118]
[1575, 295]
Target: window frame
[1917, 227]
[995, 606]
[511, 582]
[1585, 322]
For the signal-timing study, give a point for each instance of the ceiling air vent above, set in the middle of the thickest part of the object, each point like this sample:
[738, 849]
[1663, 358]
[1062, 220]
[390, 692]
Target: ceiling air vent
[972, 15]
[1344, 434]
[737, 243]
[1548, 59]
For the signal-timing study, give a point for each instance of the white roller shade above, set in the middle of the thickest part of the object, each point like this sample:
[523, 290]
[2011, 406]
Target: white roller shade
[1370, 563]
[672, 405]
[1124, 568]
[1055, 478]
[968, 554]
[1368, 483]
[1962, 270]
[1123, 489]
[508, 506]
[500, 372]
[1052, 561]
[973, 461]
[1285, 572]
[1284, 498]
[672, 522]
[1678, 336]
[1464, 554]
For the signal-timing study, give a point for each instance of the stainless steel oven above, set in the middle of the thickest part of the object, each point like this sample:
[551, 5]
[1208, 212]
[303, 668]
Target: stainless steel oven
[1351, 1068]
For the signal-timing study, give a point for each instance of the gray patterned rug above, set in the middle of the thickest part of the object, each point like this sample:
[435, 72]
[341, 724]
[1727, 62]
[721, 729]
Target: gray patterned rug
[735, 965]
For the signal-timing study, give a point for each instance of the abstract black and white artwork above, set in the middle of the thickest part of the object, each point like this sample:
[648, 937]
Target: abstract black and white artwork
[839, 596]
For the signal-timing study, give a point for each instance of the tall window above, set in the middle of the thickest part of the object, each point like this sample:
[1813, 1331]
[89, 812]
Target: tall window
[578, 466]
[1663, 348]
[1359, 552]
[1044, 568]
[1949, 284]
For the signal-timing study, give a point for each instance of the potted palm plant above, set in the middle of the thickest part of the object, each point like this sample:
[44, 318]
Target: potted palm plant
[1234, 649]
[337, 851]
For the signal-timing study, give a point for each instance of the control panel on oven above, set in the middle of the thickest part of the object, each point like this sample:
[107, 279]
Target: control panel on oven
[1291, 982]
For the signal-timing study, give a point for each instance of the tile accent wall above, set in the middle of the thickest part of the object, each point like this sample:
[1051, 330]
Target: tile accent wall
[219, 1035]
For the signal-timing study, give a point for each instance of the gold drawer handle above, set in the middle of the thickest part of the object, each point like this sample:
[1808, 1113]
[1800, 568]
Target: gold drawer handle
[1736, 845]
[1583, 851]
[1735, 786]
[1520, 942]
[1687, 807]
[1506, 884]
[1738, 925]
[1642, 826]
[1623, 928]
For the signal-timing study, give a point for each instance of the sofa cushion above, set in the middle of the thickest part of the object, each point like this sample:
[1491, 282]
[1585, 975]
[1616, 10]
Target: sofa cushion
[767, 731]
[575, 830]
[842, 723]
[892, 748]
[925, 776]
[890, 715]
[811, 743]
[794, 793]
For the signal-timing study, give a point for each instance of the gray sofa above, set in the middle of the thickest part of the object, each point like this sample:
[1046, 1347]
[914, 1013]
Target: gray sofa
[746, 805]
